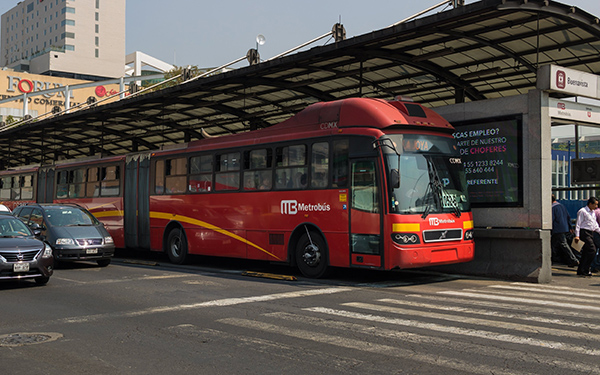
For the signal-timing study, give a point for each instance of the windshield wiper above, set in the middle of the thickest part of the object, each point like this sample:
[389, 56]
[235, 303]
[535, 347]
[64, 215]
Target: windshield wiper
[439, 189]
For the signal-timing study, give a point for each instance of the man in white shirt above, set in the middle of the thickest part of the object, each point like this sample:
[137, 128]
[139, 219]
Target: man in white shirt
[584, 231]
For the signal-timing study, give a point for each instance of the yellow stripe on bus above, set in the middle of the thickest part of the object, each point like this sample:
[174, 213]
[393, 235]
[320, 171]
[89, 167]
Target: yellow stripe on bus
[406, 227]
[107, 213]
[189, 220]
[468, 225]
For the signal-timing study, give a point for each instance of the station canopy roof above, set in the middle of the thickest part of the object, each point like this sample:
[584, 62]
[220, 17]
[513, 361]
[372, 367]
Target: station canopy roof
[483, 50]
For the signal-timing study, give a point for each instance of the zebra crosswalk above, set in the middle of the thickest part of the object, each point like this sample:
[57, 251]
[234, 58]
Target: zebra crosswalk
[497, 329]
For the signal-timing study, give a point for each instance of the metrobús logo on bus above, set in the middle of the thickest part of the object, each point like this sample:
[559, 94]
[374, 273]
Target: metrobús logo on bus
[434, 221]
[292, 207]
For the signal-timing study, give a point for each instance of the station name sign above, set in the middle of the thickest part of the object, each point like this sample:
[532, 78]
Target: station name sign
[568, 81]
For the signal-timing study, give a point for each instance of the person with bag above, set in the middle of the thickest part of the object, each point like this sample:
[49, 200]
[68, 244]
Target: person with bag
[584, 231]
[561, 226]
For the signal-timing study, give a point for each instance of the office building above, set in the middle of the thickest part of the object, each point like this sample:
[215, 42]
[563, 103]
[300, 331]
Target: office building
[80, 39]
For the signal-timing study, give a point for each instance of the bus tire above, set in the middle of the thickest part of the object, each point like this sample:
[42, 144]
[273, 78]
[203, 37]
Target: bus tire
[177, 246]
[311, 256]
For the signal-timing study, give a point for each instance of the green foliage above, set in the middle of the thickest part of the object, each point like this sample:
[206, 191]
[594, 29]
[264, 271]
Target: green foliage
[177, 71]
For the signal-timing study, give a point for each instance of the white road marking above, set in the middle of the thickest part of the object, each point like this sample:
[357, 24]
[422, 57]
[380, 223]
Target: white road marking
[271, 348]
[126, 279]
[461, 331]
[437, 300]
[495, 313]
[561, 292]
[485, 295]
[379, 349]
[477, 321]
[437, 341]
[221, 302]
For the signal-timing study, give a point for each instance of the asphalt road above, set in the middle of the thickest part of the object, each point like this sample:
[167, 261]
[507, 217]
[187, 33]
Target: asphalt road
[145, 316]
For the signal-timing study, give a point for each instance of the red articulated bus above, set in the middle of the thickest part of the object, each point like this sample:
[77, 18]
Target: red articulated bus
[350, 183]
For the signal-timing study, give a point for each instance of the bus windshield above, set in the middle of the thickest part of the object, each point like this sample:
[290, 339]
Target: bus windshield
[431, 176]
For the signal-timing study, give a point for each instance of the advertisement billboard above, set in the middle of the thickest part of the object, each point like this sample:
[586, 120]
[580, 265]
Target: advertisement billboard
[491, 152]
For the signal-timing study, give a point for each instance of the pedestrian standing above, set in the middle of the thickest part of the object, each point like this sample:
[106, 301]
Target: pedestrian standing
[584, 231]
[595, 266]
[561, 226]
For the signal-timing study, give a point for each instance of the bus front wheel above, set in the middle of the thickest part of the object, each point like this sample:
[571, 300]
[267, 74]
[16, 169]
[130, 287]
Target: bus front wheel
[311, 255]
[177, 246]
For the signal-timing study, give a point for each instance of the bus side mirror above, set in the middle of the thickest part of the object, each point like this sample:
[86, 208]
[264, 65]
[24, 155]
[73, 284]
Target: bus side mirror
[394, 179]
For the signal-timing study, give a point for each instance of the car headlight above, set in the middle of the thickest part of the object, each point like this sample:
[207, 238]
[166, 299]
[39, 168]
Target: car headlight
[65, 241]
[47, 251]
[108, 240]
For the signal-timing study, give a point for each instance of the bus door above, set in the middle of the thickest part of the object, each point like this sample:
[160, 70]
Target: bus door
[366, 245]
[45, 185]
[136, 201]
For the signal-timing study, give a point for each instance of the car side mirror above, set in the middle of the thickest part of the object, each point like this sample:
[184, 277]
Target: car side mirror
[36, 228]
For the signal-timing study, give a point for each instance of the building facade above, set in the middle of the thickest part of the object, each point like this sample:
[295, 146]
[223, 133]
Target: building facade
[17, 86]
[80, 39]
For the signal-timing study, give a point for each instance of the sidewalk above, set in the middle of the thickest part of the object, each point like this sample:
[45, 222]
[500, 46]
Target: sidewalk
[567, 277]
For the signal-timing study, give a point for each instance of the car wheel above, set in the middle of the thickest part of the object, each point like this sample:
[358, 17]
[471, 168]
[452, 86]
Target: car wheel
[42, 280]
[311, 255]
[177, 246]
[103, 262]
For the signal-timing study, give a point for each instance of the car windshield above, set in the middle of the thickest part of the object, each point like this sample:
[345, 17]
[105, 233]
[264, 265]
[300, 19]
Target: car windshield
[13, 227]
[431, 174]
[69, 216]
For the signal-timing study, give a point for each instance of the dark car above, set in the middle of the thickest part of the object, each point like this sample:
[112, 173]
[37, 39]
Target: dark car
[72, 231]
[22, 256]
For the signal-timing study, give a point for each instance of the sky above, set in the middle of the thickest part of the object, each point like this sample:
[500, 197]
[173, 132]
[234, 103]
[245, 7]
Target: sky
[210, 34]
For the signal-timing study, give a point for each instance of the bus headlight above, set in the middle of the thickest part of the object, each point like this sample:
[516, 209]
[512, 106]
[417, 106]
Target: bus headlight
[108, 240]
[406, 238]
[469, 235]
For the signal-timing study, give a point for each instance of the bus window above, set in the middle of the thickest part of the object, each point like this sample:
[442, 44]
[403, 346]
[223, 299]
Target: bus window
[62, 184]
[340, 163]
[319, 165]
[364, 187]
[77, 183]
[291, 171]
[159, 179]
[258, 164]
[16, 190]
[176, 176]
[6, 187]
[110, 185]
[27, 187]
[201, 174]
[225, 178]
[93, 183]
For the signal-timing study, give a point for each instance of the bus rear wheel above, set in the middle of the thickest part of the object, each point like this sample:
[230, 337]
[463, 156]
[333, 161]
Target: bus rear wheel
[311, 255]
[177, 246]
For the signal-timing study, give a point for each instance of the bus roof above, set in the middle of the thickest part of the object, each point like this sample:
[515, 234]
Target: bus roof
[328, 117]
